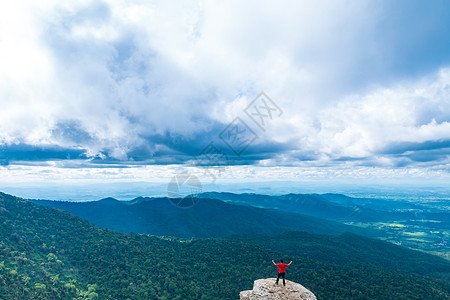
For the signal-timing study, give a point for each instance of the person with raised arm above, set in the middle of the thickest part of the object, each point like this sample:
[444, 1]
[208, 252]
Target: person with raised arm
[281, 270]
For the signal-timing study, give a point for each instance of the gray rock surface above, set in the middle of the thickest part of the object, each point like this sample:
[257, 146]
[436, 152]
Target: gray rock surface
[266, 289]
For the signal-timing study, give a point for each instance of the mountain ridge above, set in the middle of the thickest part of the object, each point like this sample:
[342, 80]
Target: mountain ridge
[208, 218]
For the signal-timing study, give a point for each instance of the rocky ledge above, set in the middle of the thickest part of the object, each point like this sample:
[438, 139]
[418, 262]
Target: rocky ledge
[266, 289]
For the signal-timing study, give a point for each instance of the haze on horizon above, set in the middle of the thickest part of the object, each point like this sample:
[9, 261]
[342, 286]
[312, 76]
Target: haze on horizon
[105, 91]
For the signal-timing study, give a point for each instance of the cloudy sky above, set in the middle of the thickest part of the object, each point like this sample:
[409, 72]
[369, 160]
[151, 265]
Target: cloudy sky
[143, 90]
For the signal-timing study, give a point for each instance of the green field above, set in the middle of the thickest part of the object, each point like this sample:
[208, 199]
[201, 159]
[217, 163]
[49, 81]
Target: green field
[415, 235]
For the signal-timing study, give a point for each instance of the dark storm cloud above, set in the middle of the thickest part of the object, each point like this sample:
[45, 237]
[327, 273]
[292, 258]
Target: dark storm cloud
[24, 152]
[402, 147]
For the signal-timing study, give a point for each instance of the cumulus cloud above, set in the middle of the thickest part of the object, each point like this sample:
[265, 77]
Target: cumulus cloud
[151, 83]
[393, 120]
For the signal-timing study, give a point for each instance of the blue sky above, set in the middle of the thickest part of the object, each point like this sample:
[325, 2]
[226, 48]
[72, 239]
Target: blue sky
[135, 90]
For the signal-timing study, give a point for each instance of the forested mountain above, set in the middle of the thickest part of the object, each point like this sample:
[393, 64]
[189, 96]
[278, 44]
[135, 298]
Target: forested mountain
[47, 253]
[422, 224]
[351, 248]
[208, 218]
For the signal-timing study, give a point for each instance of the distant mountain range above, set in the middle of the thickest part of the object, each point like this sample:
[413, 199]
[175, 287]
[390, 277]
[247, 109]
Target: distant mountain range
[310, 204]
[208, 218]
[336, 207]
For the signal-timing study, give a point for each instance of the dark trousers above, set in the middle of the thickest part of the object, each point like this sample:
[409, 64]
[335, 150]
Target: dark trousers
[281, 275]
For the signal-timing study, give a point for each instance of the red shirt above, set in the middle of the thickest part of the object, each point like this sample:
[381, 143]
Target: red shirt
[281, 268]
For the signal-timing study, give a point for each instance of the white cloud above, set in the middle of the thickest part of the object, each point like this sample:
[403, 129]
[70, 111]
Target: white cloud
[120, 72]
[363, 125]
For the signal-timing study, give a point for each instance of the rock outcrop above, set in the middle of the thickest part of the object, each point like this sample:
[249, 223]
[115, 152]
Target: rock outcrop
[266, 289]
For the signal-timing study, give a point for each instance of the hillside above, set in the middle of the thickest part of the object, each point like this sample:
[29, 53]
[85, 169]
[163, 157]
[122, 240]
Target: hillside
[351, 248]
[208, 218]
[50, 254]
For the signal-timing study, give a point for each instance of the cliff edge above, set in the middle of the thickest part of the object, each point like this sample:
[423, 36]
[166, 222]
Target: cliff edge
[266, 289]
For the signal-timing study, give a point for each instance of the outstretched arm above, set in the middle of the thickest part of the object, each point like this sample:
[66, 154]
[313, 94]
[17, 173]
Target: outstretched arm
[274, 262]
[290, 263]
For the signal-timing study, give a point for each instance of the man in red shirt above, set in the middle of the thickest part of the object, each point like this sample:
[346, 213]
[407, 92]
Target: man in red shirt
[281, 270]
